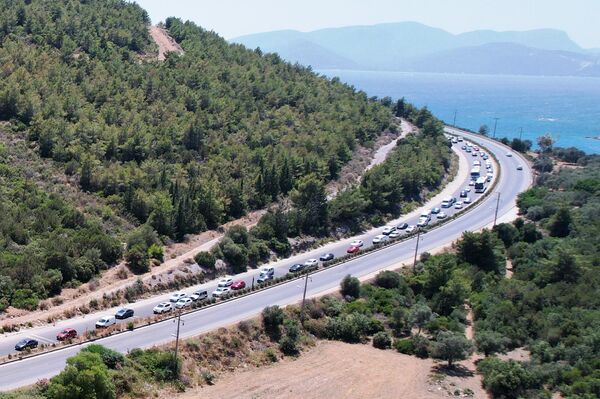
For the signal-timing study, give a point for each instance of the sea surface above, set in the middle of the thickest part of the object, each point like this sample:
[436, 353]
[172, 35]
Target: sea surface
[568, 108]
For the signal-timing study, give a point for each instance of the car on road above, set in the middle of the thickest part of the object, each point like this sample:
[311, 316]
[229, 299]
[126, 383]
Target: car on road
[467, 200]
[184, 303]
[177, 296]
[352, 249]
[458, 205]
[463, 147]
[162, 307]
[327, 257]
[220, 292]
[298, 267]
[199, 295]
[468, 189]
[474, 154]
[106, 321]
[357, 243]
[380, 239]
[388, 229]
[460, 138]
[411, 228]
[423, 222]
[395, 234]
[471, 183]
[448, 202]
[519, 167]
[267, 270]
[225, 282]
[124, 313]
[311, 263]
[441, 215]
[402, 226]
[264, 277]
[435, 210]
[509, 154]
[238, 285]
[464, 193]
[67, 333]
[27, 343]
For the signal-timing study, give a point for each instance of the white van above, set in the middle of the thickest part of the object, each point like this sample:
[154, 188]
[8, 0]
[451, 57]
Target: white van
[448, 202]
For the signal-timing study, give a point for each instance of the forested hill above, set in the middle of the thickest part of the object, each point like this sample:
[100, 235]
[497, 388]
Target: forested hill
[186, 143]
[179, 145]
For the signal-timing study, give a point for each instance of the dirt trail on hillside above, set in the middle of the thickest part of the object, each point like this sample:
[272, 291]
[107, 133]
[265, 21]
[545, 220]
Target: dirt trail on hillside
[164, 41]
[339, 370]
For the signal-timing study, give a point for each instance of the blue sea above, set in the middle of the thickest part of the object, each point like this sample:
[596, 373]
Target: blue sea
[568, 108]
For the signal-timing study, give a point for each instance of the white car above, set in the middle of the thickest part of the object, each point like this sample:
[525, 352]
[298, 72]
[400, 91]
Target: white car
[395, 234]
[423, 222]
[177, 296]
[509, 154]
[183, 303]
[467, 200]
[219, 292]
[411, 228]
[471, 183]
[106, 321]
[311, 262]
[441, 215]
[519, 167]
[225, 282]
[388, 229]
[474, 154]
[267, 270]
[458, 205]
[380, 239]
[357, 243]
[163, 307]
[468, 189]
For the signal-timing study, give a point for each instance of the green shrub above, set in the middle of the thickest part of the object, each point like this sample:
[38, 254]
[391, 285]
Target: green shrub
[405, 346]
[350, 287]
[273, 317]
[205, 259]
[388, 279]
[382, 340]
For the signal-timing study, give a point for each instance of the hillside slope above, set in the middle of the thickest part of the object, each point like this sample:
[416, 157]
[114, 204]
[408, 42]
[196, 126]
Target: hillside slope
[180, 145]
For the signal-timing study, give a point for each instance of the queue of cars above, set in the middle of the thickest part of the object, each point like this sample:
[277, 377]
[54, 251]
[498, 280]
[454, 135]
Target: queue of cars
[182, 300]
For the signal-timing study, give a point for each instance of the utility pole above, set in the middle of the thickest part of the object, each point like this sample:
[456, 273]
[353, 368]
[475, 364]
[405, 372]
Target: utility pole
[177, 342]
[495, 125]
[416, 249]
[304, 299]
[497, 205]
[454, 121]
[521, 133]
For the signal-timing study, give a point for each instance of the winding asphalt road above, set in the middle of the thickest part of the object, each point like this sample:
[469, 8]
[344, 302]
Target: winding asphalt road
[510, 184]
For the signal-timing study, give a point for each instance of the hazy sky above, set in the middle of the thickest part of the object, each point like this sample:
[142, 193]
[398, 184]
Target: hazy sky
[231, 18]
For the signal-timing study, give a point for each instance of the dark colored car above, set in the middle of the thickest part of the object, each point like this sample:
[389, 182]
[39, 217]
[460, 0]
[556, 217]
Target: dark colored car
[353, 249]
[124, 313]
[26, 343]
[463, 194]
[298, 267]
[435, 211]
[402, 226]
[67, 333]
[238, 285]
[326, 257]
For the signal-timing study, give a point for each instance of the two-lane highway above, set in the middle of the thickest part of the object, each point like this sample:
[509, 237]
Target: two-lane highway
[510, 184]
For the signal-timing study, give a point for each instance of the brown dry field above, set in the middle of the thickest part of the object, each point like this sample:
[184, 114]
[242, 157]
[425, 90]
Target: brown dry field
[339, 370]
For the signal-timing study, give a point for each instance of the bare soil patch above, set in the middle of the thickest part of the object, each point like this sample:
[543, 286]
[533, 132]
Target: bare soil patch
[339, 370]
[164, 41]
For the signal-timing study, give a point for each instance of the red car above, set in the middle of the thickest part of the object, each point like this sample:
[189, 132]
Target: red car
[67, 333]
[238, 285]
[353, 249]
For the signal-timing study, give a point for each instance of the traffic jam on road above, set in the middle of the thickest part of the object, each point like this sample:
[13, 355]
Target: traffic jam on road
[476, 184]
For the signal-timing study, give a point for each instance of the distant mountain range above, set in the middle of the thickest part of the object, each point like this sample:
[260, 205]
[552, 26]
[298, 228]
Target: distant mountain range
[414, 47]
